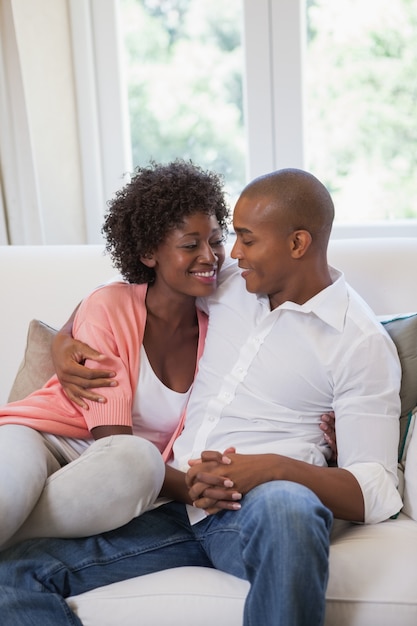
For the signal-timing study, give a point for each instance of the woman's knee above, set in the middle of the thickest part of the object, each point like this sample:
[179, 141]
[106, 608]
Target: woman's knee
[132, 457]
[129, 449]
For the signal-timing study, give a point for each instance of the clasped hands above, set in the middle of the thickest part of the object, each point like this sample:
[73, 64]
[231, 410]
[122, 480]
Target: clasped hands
[218, 481]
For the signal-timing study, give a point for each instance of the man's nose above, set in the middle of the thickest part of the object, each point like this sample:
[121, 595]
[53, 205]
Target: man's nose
[235, 252]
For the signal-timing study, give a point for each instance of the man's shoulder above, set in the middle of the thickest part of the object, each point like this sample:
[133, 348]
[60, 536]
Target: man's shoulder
[366, 327]
[361, 313]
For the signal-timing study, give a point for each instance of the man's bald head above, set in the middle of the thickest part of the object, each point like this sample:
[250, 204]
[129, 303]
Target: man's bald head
[300, 198]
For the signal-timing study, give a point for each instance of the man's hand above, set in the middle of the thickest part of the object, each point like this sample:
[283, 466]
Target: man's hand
[69, 356]
[207, 478]
[216, 492]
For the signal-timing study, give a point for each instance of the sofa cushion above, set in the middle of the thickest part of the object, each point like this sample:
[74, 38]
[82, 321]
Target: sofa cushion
[36, 367]
[192, 593]
[373, 575]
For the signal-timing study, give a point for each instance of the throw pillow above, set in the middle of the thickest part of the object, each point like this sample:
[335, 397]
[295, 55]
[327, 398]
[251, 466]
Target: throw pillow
[403, 331]
[410, 471]
[36, 367]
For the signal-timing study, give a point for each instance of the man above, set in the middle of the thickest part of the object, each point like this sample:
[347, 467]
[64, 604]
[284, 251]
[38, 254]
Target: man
[296, 343]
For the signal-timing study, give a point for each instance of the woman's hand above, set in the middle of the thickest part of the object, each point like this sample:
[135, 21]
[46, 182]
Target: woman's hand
[328, 427]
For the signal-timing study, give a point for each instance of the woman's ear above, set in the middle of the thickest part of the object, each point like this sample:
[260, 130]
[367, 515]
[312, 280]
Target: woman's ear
[148, 260]
[301, 241]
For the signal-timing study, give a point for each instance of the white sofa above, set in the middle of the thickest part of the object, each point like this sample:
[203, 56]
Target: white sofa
[373, 569]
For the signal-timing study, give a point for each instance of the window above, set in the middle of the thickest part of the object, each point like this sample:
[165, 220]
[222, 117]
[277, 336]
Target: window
[360, 121]
[184, 67]
[248, 86]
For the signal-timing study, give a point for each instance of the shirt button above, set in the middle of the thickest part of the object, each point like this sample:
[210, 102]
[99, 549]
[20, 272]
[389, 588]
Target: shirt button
[211, 418]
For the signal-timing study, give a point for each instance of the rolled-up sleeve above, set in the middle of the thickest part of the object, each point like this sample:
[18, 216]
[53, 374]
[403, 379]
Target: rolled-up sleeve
[367, 407]
[381, 497]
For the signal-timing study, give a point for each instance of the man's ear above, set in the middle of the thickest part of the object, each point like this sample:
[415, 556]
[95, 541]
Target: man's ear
[300, 242]
[148, 260]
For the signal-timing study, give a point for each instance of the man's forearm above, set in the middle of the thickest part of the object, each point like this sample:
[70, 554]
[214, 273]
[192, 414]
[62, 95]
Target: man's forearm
[337, 488]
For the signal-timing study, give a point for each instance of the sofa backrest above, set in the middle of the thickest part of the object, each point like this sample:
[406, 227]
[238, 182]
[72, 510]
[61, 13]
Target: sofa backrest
[46, 282]
[382, 270]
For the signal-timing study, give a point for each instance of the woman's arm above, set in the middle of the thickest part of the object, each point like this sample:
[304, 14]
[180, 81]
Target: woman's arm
[174, 486]
[69, 355]
[107, 431]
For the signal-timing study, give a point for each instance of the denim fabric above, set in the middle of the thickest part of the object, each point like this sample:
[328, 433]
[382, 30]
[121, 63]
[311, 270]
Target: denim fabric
[279, 541]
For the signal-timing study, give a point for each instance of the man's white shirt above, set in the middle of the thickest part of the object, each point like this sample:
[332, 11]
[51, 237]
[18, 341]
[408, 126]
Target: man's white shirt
[266, 377]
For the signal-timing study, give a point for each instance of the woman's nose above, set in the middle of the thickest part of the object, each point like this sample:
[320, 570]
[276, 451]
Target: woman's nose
[208, 254]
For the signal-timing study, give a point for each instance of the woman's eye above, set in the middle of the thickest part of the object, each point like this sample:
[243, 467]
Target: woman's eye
[216, 244]
[190, 246]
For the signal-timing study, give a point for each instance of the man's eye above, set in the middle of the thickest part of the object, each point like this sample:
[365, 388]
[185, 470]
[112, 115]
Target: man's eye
[247, 243]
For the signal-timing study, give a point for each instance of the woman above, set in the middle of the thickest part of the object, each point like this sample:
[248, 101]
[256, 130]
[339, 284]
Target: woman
[70, 471]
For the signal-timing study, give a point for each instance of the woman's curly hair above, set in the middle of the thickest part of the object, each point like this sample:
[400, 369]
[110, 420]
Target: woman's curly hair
[155, 202]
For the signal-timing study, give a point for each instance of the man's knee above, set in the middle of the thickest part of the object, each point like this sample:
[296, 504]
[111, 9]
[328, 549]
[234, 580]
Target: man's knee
[285, 503]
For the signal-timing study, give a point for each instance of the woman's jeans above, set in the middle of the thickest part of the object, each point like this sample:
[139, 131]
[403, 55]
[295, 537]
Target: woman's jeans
[278, 541]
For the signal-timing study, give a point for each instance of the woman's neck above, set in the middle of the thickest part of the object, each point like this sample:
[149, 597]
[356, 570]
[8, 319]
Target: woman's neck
[175, 309]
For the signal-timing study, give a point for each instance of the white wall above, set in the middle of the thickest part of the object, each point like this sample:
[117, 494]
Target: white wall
[42, 101]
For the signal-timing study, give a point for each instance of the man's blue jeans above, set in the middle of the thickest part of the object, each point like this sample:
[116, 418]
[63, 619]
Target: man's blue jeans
[279, 541]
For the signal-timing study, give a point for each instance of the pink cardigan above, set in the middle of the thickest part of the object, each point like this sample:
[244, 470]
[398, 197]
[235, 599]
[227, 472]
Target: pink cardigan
[112, 320]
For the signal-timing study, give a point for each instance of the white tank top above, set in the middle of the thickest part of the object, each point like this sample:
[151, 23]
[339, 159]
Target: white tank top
[156, 409]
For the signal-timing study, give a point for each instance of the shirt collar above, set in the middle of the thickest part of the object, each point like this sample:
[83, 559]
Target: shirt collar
[330, 304]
